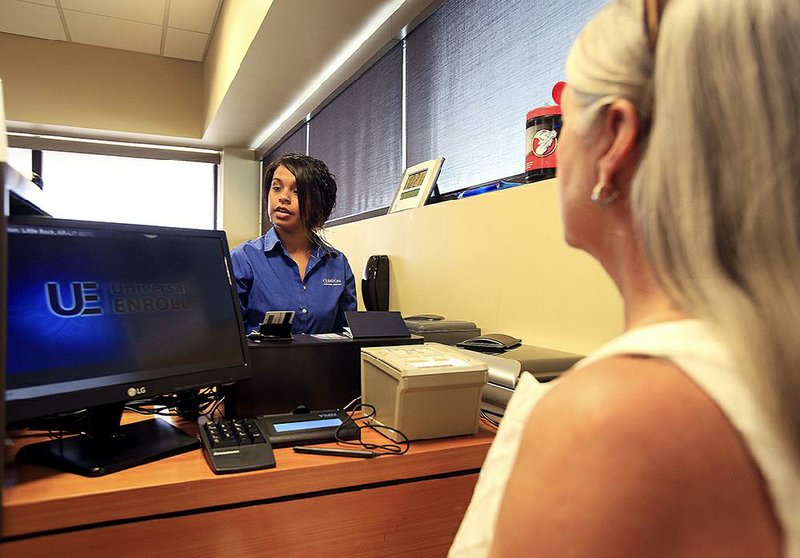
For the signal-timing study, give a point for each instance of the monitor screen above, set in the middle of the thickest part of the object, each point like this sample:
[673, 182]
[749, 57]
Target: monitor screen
[101, 314]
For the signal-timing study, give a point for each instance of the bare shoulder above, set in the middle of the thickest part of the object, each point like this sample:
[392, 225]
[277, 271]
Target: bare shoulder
[623, 397]
[629, 453]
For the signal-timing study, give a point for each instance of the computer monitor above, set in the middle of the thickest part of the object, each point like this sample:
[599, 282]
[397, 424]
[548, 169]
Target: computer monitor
[101, 314]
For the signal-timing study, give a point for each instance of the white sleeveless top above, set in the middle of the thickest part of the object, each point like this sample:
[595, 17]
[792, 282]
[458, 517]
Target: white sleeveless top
[689, 345]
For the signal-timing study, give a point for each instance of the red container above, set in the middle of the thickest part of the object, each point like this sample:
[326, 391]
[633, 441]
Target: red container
[543, 126]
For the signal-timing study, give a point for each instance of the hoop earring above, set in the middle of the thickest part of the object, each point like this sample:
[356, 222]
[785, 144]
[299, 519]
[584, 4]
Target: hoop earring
[601, 197]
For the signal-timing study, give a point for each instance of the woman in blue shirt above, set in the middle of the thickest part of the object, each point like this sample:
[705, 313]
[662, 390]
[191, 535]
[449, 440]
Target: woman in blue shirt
[292, 267]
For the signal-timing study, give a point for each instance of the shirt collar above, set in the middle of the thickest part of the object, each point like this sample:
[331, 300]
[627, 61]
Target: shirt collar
[270, 241]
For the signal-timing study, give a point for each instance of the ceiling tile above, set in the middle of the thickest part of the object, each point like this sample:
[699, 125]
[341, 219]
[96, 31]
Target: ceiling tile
[185, 44]
[144, 11]
[43, 2]
[113, 33]
[193, 15]
[35, 20]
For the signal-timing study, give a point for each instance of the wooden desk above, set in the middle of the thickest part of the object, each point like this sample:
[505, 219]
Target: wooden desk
[307, 506]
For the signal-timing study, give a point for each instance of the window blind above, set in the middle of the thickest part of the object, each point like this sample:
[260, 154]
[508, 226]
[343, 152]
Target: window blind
[474, 70]
[358, 135]
[294, 143]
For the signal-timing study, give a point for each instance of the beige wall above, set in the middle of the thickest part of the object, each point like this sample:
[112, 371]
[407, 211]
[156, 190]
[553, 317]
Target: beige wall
[499, 260]
[70, 84]
[239, 195]
[56, 83]
[236, 27]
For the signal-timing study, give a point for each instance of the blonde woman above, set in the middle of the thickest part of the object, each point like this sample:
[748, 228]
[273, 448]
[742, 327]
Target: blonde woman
[679, 169]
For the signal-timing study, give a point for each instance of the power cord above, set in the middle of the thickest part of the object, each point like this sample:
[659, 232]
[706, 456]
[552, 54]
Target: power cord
[189, 404]
[489, 420]
[54, 427]
[392, 448]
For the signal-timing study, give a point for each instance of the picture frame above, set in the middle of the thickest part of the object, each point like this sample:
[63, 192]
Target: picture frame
[416, 185]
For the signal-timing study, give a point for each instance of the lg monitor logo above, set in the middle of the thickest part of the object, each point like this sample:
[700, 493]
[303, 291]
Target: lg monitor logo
[81, 299]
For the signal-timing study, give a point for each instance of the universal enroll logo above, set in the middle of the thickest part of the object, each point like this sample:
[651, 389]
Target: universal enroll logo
[83, 298]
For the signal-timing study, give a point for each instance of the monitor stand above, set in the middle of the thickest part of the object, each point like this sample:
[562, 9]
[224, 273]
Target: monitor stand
[107, 447]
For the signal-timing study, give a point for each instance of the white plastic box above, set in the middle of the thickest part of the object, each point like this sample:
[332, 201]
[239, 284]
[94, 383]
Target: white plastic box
[424, 391]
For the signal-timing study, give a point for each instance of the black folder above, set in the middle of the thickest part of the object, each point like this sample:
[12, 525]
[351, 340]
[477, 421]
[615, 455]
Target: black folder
[364, 325]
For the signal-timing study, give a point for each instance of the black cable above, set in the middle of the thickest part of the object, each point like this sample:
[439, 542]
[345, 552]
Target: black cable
[393, 448]
[495, 413]
[486, 418]
[215, 408]
[55, 427]
[39, 435]
[188, 404]
[352, 402]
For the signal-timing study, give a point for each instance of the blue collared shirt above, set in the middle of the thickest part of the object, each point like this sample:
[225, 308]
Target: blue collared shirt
[268, 279]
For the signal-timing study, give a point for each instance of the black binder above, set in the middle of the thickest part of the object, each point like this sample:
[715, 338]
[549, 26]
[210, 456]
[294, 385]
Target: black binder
[364, 325]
